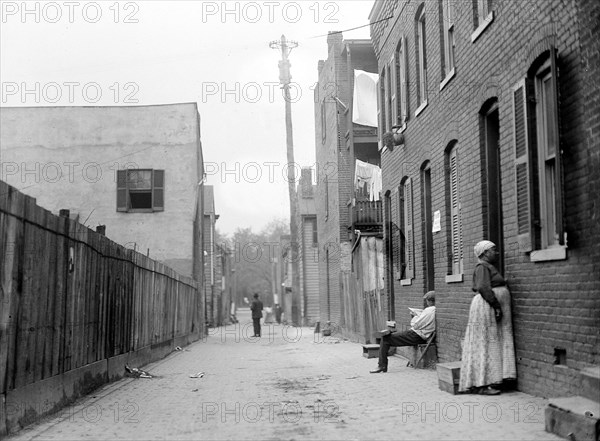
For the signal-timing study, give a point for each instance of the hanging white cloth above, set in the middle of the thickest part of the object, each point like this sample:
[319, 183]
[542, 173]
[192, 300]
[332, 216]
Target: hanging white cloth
[369, 175]
[364, 101]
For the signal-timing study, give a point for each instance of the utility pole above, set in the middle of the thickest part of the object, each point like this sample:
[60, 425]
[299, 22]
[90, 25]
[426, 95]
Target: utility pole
[286, 47]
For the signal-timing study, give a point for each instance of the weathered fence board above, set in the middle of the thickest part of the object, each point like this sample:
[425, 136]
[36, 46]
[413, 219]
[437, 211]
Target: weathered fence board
[70, 297]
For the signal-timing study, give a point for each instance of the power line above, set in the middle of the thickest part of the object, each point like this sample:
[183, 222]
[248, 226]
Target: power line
[353, 29]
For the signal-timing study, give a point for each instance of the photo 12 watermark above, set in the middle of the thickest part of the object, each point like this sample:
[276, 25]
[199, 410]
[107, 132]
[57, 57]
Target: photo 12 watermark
[270, 12]
[471, 412]
[270, 412]
[29, 173]
[69, 92]
[69, 12]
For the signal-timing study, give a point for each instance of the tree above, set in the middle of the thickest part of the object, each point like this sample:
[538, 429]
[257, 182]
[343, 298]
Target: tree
[253, 254]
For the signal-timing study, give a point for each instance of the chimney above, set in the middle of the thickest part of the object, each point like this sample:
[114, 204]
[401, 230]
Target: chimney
[332, 38]
[306, 186]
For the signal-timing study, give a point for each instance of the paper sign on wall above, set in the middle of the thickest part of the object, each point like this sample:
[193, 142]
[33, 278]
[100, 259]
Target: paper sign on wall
[437, 223]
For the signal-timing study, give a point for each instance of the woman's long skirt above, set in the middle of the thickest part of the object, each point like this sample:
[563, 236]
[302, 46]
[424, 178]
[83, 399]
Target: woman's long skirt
[488, 353]
[506, 337]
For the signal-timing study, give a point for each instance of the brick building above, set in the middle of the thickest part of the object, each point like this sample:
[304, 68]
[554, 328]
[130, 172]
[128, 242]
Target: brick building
[308, 251]
[497, 103]
[212, 260]
[339, 142]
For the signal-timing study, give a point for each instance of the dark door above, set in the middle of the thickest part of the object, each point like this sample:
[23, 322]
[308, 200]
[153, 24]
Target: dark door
[427, 223]
[493, 192]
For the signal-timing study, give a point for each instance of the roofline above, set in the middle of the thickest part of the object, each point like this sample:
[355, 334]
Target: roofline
[101, 107]
[376, 9]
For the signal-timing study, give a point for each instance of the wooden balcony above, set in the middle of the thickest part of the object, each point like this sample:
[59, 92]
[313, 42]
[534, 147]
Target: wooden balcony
[367, 215]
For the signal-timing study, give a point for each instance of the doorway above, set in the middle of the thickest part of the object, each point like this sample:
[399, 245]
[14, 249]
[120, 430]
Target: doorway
[492, 181]
[426, 227]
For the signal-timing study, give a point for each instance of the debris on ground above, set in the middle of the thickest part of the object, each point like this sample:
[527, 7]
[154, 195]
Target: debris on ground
[197, 375]
[137, 373]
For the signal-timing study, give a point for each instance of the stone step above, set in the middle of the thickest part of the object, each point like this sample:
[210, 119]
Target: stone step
[590, 383]
[575, 418]
[449, 376]
[370, 350]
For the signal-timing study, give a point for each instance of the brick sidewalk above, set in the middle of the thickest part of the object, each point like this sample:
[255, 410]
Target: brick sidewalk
[290, 384]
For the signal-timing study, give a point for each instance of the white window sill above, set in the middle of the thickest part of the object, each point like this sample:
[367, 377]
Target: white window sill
[420, 108]
[405, 282]
[553, 253]
[486, 22]
[447, 79]
[454, 278]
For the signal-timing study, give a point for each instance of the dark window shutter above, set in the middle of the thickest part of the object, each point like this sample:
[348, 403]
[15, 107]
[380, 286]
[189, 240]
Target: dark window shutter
[158, 190]
[398, 244]
[394, 90]
[455, 215]
[121, 190]
[405, 87]
[523, 165]
[410, 255]
[379, 115]
[558, 178]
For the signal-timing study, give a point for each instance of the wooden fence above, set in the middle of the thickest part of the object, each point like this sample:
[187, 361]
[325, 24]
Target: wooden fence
[70, 298]
[363, 290]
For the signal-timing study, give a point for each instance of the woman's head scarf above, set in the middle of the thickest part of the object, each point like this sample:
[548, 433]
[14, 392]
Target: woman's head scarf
[482, 247]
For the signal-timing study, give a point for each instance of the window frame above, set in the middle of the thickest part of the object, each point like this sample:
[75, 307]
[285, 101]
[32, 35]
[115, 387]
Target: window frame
[456, 264]
[406, 218]
[124, 190]
[401, 83]
[448, 31]
[421, 50]
[540, 196]
[484, 17]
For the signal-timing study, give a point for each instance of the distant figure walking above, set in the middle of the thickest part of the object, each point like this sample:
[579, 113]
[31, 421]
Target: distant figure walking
[278, 313]
[256, 307]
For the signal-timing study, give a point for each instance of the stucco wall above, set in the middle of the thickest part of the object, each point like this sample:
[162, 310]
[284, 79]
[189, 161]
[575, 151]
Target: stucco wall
[67, 158]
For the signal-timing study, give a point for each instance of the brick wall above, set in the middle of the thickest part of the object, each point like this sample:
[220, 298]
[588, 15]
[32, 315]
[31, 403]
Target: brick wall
[555, 303]
[328, 224]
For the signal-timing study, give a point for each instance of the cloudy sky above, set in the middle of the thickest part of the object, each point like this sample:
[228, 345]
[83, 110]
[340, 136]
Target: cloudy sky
[214, 53]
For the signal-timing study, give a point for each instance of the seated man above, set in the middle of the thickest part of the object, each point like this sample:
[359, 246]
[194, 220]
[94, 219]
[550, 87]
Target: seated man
[421, 328]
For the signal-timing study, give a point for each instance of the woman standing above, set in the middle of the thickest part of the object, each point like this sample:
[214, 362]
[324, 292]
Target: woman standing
[488, 355]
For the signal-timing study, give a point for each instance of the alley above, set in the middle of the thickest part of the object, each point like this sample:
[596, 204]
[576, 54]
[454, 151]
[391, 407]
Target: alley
[290, 384]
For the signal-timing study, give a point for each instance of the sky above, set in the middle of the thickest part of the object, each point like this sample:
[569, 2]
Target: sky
[214, 53]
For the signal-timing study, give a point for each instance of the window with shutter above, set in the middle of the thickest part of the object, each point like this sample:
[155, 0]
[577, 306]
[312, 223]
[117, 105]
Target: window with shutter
[549, 238]
[448, 35]
[456, 235]
[382, 106]
[121, 190]
[422, 60]
[538, 163]
[394, 90]
[399, 237]
[140, 190]
[158, 190]
[408, 228]
[522, 166]
[379, 114]
[388, 104]
[404, 80]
